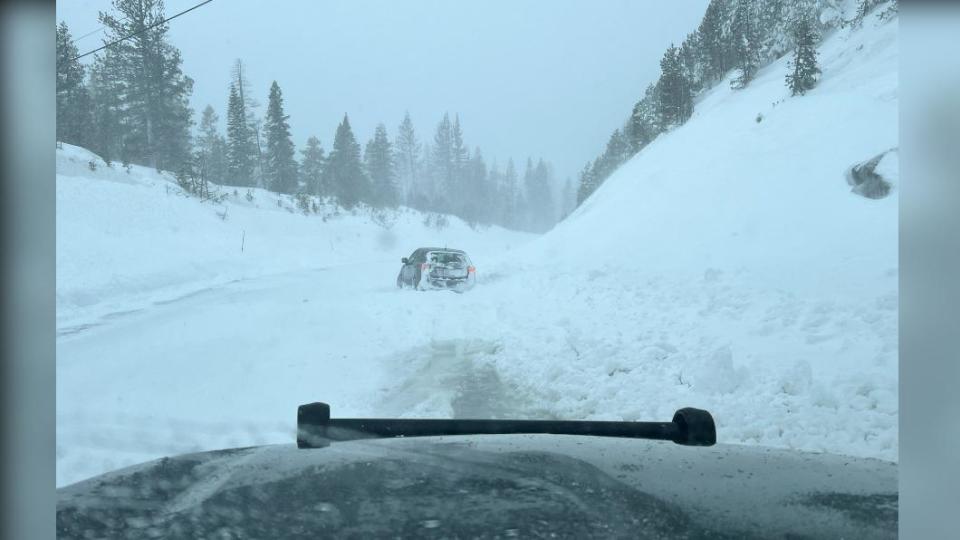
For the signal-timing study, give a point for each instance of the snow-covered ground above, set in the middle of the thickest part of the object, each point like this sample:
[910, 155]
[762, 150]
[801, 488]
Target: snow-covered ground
[728, 266]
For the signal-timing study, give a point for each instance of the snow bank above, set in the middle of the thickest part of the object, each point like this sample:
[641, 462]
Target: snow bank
[728, 266]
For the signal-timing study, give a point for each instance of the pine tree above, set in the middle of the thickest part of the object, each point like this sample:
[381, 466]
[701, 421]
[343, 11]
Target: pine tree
[218, 160]
[540, 198]
[74, 120]
[444, 165]
[676, 103]
[254, 126]
[459, 155]
[587, 183]
[509, 195]
[615, 154]
[477, 193]
[770, 19]
[804, 70]
[211, 148]
[280, 167]
[407, 160]
[239, 143]
[692, 66]
[639, 129]
[864, 7]
[207, 130]
[599, 171]
[106, 91]
[378, 159]
[711, 39]
[422, 192]
[311, 168]
[746, 43]
[154, 114]
[568, 199]
[526, 196]
[493, 211]
[344, 170]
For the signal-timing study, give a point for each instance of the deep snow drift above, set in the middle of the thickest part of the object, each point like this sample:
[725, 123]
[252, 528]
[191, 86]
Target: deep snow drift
[728, 266]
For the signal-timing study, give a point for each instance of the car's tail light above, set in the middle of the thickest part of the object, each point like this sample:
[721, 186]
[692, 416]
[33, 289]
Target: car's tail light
[471, 269]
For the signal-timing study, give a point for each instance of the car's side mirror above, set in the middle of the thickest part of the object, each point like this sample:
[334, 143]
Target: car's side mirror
[404, 260]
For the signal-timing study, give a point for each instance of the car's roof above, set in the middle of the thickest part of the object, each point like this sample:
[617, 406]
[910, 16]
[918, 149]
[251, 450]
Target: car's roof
[441, 249]
[470, 486]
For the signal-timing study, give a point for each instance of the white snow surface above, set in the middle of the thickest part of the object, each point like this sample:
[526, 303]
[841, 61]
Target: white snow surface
[728, 266]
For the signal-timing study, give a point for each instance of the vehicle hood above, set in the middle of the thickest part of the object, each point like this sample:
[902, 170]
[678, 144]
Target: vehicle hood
[489, 486]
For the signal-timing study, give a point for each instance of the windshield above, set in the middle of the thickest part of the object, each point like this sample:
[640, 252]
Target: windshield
[605, 212]
[447, 258]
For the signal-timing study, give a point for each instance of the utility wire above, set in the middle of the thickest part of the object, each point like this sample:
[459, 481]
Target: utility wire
[92, 32]
[88, 34]
[154, 25]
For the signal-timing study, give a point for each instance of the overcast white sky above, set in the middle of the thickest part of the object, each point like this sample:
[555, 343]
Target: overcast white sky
[548, 78]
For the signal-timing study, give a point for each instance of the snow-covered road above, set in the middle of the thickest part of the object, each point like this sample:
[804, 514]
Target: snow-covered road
[227, 366]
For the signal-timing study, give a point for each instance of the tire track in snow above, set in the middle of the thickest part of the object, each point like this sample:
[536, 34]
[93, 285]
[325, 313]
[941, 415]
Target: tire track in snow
[454, 379]
[180, 296]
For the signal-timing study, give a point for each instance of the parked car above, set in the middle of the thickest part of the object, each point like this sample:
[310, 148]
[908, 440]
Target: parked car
[437, 268]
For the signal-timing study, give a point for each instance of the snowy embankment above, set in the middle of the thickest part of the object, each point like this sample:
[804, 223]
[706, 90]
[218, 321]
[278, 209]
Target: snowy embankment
[728, 266]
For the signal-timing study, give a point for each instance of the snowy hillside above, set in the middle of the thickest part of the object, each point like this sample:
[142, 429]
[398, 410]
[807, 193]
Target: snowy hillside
[728, 266]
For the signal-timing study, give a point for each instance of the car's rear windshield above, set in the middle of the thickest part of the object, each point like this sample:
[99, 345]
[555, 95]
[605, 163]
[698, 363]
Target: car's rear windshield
[446, 257]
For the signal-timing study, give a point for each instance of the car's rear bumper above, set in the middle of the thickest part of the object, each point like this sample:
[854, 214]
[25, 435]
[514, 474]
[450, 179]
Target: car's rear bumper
[447, 283]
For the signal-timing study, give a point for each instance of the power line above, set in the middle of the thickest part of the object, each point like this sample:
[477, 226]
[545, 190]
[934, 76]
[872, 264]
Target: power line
[154, 25]
[92, 32]
[88, 34]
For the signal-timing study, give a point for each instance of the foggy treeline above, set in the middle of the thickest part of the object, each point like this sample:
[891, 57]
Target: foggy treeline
[132, 105]
[739, 36]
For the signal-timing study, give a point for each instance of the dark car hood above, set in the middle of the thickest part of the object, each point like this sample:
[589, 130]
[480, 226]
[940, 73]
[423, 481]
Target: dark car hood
[489, 486]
